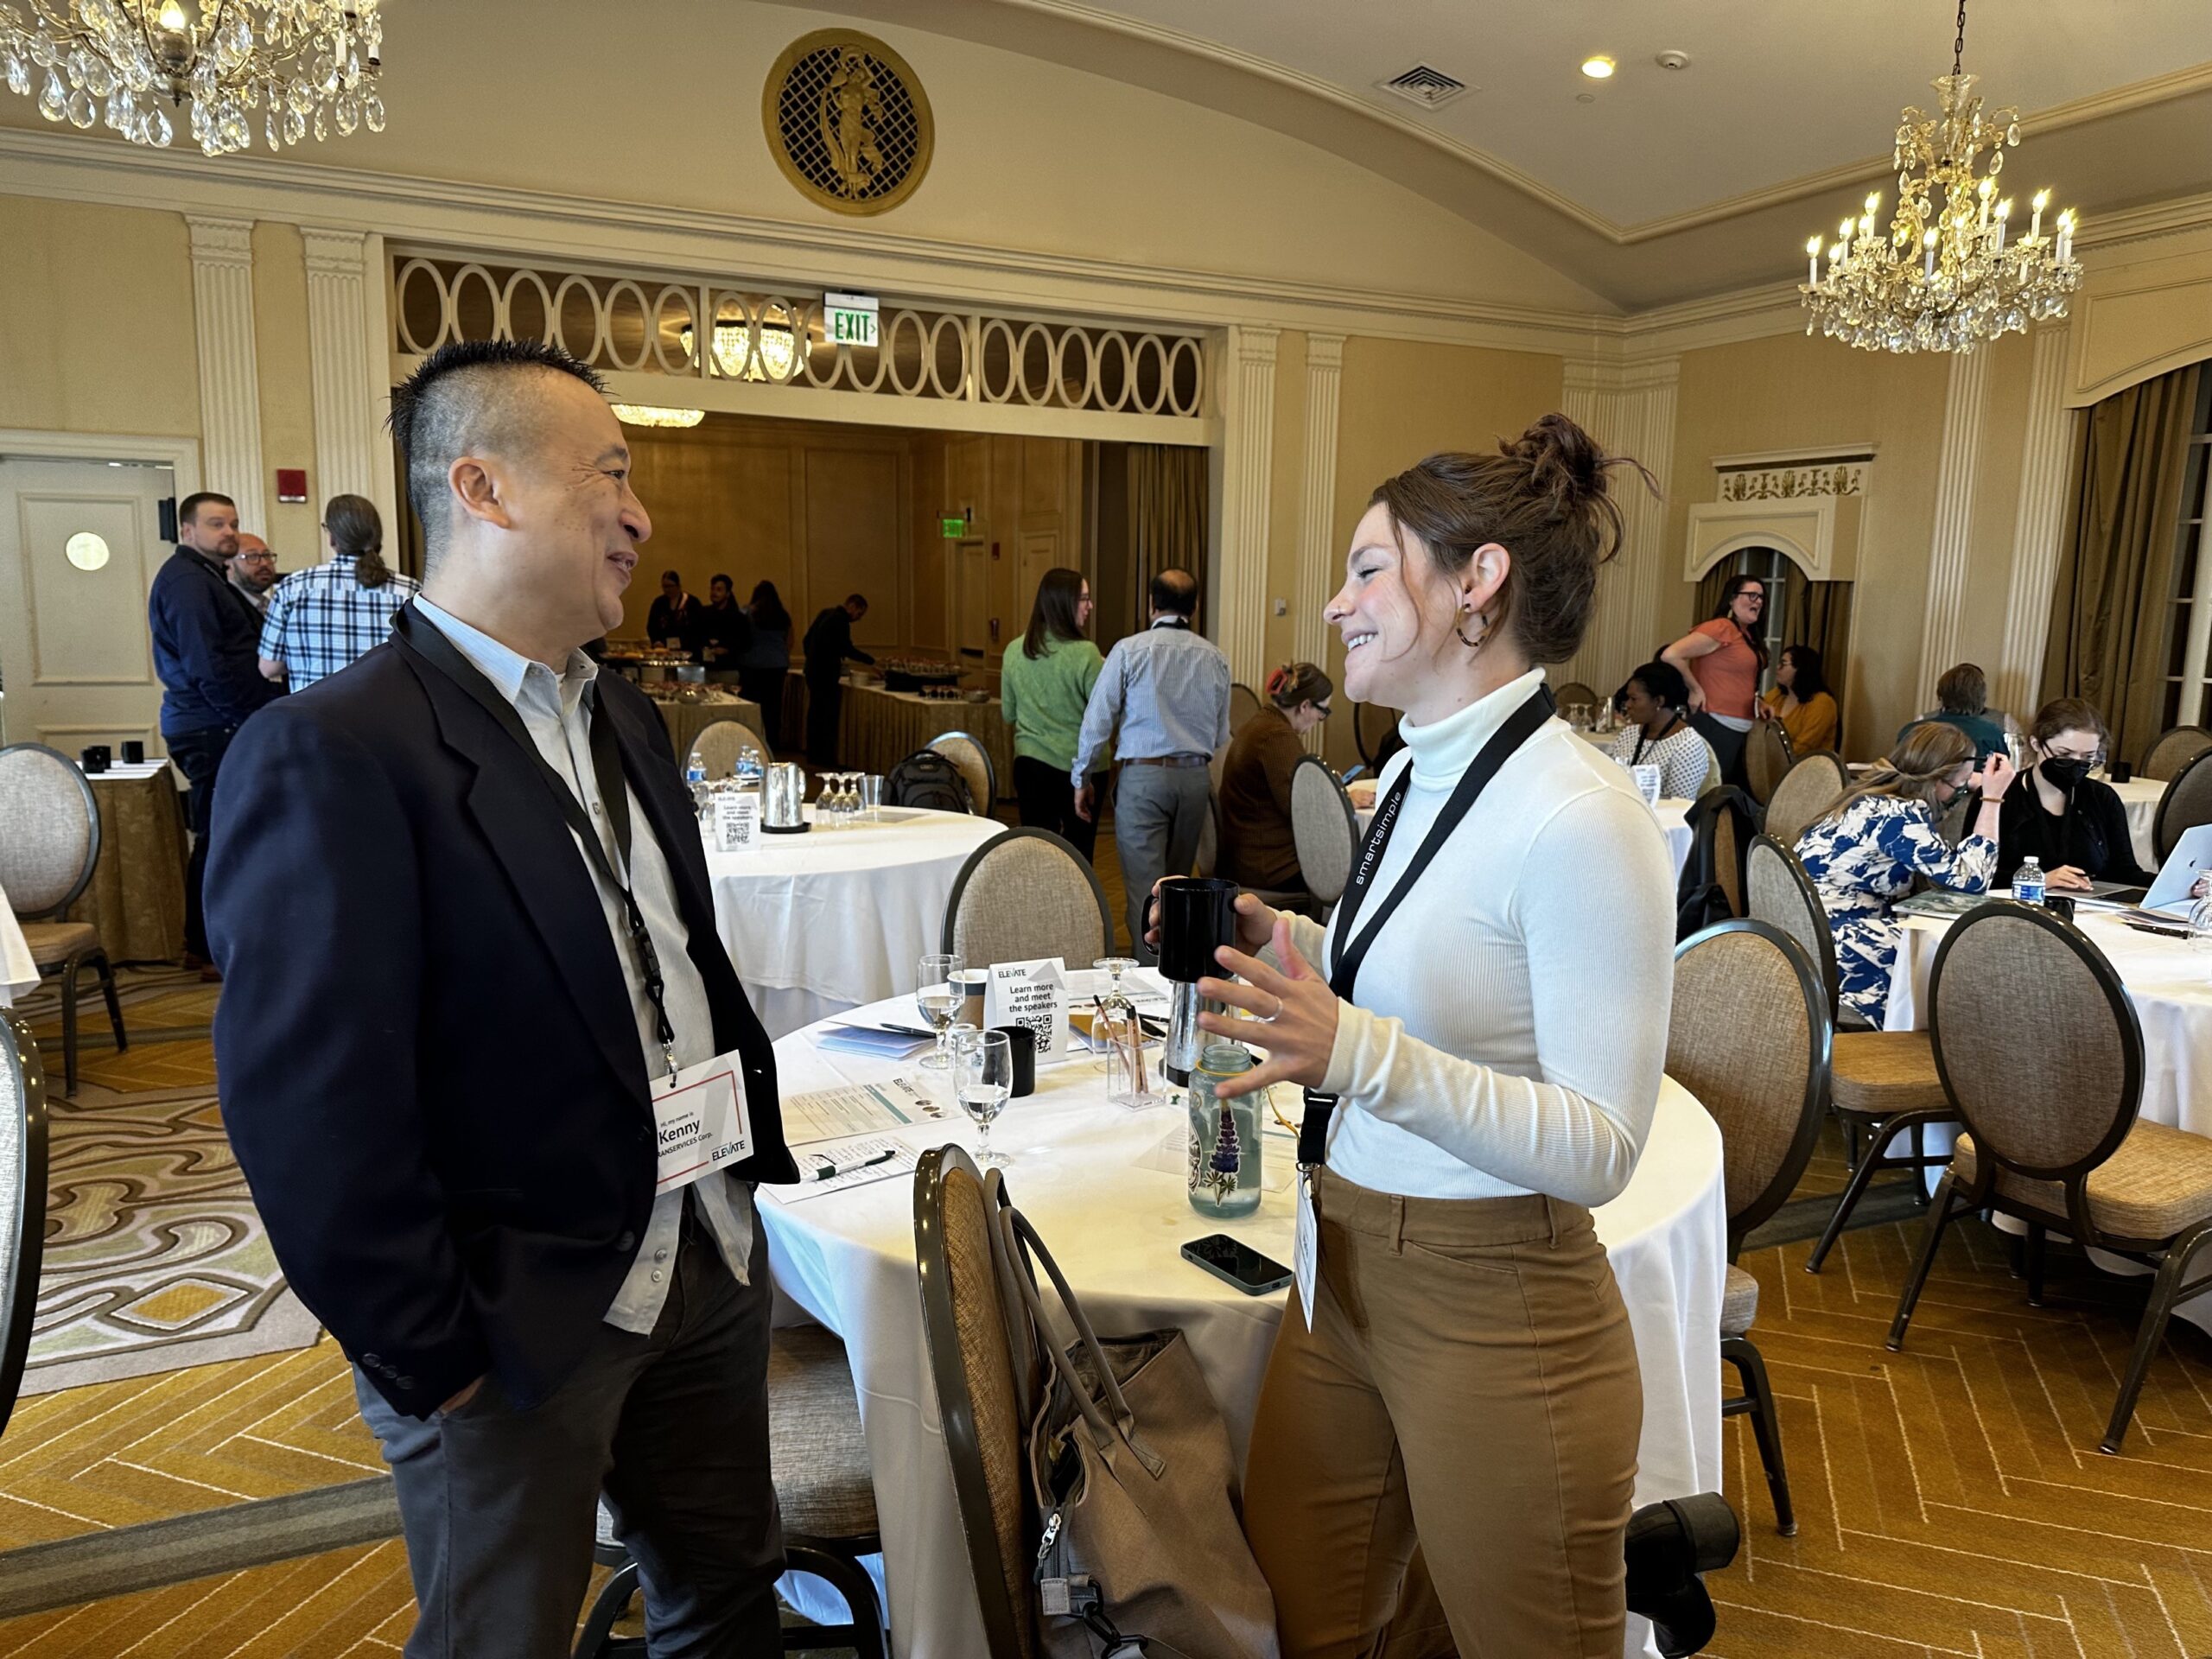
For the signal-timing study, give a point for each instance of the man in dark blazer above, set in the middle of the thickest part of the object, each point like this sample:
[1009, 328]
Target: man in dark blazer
[443, 1022]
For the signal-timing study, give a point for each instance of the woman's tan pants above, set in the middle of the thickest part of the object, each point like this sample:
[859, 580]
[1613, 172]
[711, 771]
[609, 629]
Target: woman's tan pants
[1470, 1384]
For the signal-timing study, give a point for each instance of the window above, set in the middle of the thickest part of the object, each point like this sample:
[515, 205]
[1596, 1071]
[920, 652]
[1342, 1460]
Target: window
[2187, 670]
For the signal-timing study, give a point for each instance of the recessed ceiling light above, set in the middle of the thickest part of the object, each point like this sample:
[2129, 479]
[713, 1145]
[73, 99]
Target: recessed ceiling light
[1586, 98]
[1597, 68]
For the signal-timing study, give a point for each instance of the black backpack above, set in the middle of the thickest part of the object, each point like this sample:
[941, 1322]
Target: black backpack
[926, 778]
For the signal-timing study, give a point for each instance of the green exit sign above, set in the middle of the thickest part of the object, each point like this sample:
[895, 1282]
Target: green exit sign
[955, 528]
[852, 318]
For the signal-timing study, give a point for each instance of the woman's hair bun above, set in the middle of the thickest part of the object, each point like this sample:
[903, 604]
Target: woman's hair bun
[1565, 464]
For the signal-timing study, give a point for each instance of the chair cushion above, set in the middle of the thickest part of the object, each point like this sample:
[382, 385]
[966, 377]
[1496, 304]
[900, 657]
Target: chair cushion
[2157, 1184]
[1874, 1073]
[816, 1448]
[53, 943]
[1740, 1302]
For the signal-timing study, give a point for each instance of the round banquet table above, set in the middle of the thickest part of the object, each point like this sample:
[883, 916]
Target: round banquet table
[820, 923]
[847, 1258]
[2170, 985]
[1672, 816]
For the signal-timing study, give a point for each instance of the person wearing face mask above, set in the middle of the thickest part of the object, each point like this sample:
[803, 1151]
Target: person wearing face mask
[1863, 853]
[2071, 824]
[1465, 1379]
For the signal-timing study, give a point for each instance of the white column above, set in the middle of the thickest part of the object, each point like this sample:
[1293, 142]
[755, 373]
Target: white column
[384, 486]
[1647, 433]
[1591, 398]
[230, 392]
[1248, 447]
[2037, 526]
[1320, 559]
[1953, 545]
[338, 353]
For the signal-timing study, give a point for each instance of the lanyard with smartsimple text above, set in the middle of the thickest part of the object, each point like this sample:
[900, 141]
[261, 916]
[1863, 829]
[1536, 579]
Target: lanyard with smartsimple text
[1343, 975]
[606, 769]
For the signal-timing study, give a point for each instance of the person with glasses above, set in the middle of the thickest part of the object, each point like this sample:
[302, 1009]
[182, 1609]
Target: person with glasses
[1258, 849]
[2071, 824]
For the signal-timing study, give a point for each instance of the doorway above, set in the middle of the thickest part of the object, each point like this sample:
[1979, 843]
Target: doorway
[80, 542]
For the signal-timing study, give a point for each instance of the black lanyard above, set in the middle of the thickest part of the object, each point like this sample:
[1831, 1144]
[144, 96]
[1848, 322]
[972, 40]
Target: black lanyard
[1343, 975]
[1641, 740]
[430, 642]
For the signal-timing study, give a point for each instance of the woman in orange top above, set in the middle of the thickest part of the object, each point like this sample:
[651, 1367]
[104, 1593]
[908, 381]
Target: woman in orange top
[1802, 702]
[1722, 659]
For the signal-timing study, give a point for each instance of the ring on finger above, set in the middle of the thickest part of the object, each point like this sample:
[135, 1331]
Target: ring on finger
[1269, 1019]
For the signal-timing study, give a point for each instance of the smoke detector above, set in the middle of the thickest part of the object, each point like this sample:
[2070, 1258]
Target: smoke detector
[1673, 60]
[1428, 87]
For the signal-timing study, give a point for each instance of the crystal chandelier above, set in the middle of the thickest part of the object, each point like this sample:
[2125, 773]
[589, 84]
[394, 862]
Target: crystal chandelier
[1948, 275]
[733, 348]
[293, 65]
[657, 415]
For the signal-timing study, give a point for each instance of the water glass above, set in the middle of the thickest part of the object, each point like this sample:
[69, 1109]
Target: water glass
[938, 1000]
[983, 1079]
[872, 796]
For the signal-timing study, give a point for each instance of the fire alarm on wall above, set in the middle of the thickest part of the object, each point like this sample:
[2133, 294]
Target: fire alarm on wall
[291, 485]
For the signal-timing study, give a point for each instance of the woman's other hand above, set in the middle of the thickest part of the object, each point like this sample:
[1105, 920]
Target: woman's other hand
[1294, 1012]
[2068, 877]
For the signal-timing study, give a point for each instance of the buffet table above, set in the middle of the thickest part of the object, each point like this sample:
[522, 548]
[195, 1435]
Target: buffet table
[820, 922]
[1082, 1172]
[137, 895]
[877, 730]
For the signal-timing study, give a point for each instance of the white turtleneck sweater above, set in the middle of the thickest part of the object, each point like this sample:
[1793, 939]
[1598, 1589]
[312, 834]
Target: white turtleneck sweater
[1511, 1022]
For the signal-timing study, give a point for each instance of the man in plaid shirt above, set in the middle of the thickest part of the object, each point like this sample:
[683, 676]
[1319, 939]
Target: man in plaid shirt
[321, 619]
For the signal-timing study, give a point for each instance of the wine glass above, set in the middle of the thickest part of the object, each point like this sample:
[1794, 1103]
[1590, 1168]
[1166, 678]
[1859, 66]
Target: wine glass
[938, 999]
[1112, 1005]
[983, 1078]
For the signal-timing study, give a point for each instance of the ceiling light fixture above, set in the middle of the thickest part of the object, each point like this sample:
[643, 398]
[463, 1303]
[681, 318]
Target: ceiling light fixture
[733, 356]
[1945, 278]
[291, 65]
[657, 415]
[1597, 68]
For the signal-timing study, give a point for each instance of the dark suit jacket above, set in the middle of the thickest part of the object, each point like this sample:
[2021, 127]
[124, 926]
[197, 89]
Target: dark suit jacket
[428, 1065]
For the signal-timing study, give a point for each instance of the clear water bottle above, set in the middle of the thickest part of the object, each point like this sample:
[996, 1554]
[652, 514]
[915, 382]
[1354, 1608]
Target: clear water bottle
[2027, 881]
[1224, 1172]
[695, 779]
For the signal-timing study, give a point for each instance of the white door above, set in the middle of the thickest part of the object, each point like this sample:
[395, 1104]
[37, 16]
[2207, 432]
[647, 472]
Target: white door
[80, 543]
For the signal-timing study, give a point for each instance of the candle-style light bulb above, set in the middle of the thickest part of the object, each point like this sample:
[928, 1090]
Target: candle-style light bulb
[1813, 262]
[1874, 202]
[2003, 215]
[2065, 236]
[1927, 243]
[2041, 200]
[171, 17]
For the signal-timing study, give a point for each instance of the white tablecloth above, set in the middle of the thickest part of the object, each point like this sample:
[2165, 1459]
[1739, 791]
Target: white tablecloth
[18, 974]
[2169, 981]
[1674, 818]
[820, 923]
[847, 1259]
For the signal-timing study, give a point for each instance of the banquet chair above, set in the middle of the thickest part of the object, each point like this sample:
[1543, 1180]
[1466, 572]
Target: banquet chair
[1324, 828]
[2186, 804]
[722, 744]
[2052, 1137]
[1573, 692]
[825, 1489]
[22, 1201]
[1767, 759]
[981, 1393]
[1766, 1096]
[968, 753]
[1243, 703]
[1809, 788]
[2174, 750]
[49, 842]
[1881, 1083]
[1024, 895]
[1721, 822]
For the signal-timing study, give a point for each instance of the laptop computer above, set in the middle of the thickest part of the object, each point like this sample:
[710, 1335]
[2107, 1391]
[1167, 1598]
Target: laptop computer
[2190, 858]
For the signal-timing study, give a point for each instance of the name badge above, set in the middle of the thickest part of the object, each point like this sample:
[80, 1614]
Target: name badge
[700, 1121]
[737, 820]
[1646, 781]
[1305, 1255]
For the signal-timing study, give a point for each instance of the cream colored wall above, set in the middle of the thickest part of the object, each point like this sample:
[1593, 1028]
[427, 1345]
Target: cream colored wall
[1285, 485]
[287, 388]
[1405, 399]
[96, 329]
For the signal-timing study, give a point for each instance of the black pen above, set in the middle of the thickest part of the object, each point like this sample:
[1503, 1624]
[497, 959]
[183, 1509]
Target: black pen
[828, 1169]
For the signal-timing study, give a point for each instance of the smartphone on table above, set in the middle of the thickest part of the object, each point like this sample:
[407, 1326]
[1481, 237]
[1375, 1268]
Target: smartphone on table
[1238, 1264]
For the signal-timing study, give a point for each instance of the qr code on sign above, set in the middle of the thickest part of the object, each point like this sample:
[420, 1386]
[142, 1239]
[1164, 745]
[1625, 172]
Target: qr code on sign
[1040, 1024]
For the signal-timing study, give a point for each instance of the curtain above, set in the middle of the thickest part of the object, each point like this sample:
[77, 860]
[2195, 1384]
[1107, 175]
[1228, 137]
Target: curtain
[2111, 607]
[1167, 517]
[1819, 615]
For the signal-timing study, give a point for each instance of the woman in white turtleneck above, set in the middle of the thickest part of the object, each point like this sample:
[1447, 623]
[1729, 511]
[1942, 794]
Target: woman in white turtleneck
[1468, 1380]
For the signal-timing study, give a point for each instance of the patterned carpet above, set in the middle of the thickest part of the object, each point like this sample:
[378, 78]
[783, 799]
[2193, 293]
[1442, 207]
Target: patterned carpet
[155, 1256]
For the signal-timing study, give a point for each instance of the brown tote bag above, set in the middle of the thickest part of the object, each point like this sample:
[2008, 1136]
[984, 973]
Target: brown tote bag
[1142, 1552]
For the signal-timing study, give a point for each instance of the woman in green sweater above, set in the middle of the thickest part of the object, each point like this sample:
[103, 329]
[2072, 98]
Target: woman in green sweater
[1045, 681]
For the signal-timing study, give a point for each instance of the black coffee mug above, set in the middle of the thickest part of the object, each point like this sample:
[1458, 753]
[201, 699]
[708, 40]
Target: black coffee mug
[1198, 914]
[133, 753]
[2059, 906]
[94, 757]
[1021, 1043]
[2121, 771]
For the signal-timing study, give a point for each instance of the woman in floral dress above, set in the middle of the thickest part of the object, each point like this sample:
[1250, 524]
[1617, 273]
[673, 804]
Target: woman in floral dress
[1863, 853]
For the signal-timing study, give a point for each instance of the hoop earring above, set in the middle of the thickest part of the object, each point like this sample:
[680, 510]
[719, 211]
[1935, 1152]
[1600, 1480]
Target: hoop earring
[1475, 644]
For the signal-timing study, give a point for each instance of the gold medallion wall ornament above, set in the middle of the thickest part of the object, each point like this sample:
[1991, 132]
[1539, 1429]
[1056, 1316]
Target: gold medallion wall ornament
[848, 121]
